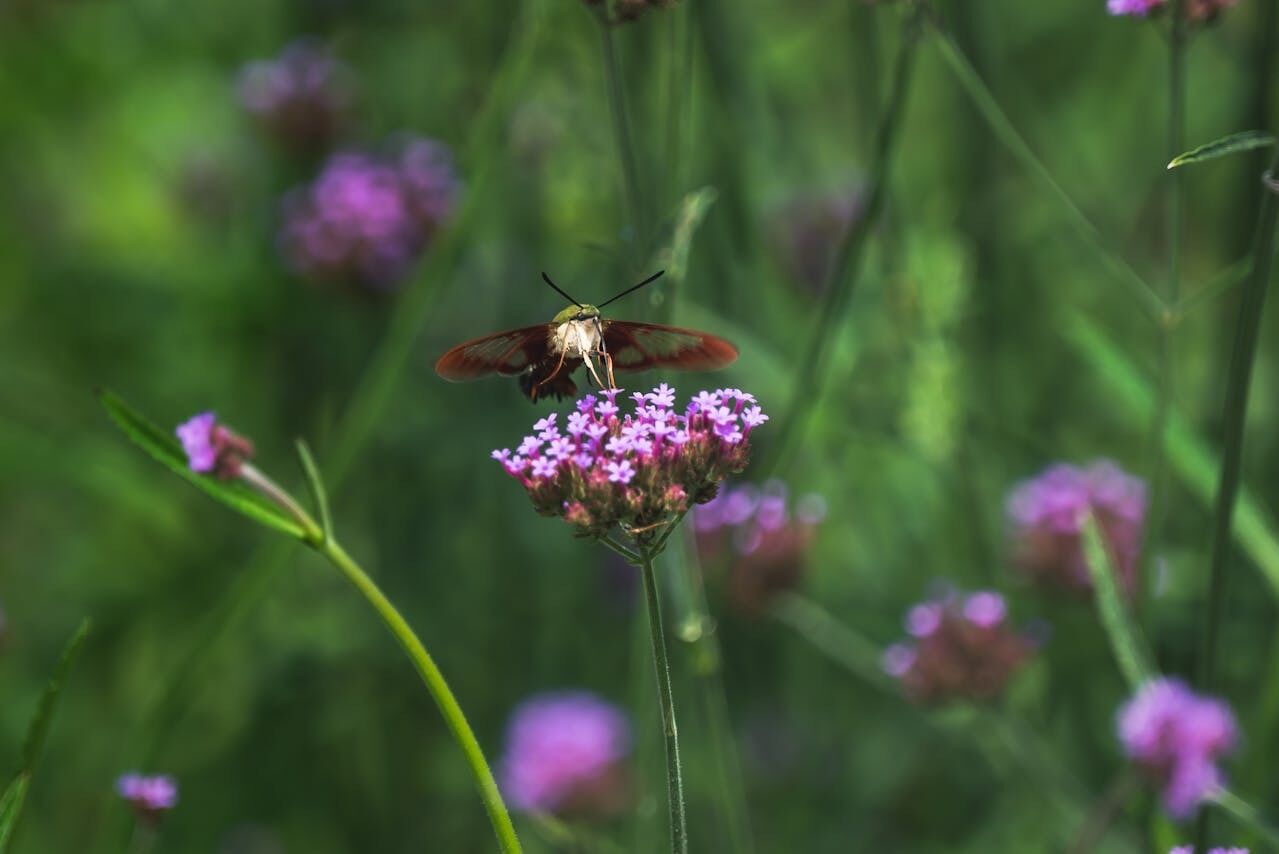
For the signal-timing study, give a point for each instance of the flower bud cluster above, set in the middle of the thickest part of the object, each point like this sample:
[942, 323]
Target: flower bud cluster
[602, 468]
[300, 98]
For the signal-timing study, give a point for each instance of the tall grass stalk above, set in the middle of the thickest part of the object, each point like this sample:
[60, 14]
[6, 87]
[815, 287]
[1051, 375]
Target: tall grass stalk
[841, 280]
[635, 200]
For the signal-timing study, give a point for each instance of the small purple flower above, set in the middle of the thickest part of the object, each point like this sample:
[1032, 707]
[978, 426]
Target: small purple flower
[924, 619]
[529, 446]
[898, 659]
[212, 448]
[663, 396]
[1177, 737]
[563, 751]
[1190, 849]
[985, 608]
[754, 416]
[1139, 8]
[149, 796]
[621, 472]
[545, 467]
[300, 98]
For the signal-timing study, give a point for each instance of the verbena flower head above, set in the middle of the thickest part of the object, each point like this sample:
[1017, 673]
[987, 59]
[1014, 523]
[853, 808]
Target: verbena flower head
[367, 219]
[806, 231]
[961, 648]
[565, 753]
[1046, 517]
[1198, 11]
[757, 539]
[599, 468]
[1190, 849]
[1176, 737]
[300, 98]
[150, 796]
[212, 448]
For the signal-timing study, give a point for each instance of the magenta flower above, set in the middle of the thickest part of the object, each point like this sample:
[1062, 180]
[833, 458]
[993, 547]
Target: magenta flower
[753, 536]
[1176, 737]
[565, 753]
[636, 470]
[150, 797]
[1139, 8]
[300, 98]
[962, 649]
[1190, 849]
[367, 220]
[212, 448]
[1198, 11]
[1046, 516]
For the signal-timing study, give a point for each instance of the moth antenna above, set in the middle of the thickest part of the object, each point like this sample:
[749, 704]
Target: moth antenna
[649, 280]
[560, 291]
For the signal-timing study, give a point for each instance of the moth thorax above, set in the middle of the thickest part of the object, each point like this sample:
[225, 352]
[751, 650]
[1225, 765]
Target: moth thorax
[575, 338]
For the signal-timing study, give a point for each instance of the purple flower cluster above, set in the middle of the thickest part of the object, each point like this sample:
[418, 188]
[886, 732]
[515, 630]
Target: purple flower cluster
[1190, 849]
[603, 468]
[752, 533]
[367, 219]
[1046, 517]
[1177, 737]
[149, 796]
[962, 649]
[1195, 10]
[212, 448]
[300, 98]
[565, 754]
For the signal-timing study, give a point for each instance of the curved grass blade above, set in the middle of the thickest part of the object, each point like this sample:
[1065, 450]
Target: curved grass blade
[1236, 143]
[166, 450]
[15, 796]
[1125, 642]
[316, 486]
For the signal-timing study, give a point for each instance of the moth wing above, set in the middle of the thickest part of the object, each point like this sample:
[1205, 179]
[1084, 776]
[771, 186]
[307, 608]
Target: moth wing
[504, 353]
[640, 346]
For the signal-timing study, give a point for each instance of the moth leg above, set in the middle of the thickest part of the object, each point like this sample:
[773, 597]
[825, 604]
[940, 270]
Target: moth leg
[590, 366]
[552, 375]
[608, 360]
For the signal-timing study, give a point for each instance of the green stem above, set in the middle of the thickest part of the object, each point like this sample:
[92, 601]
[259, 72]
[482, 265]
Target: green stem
[622, 135]
[1236, 406]
[1127, 645]
[1247, 815]
[674, 774]
[1003, 129]
[434, 681]
[842, 278]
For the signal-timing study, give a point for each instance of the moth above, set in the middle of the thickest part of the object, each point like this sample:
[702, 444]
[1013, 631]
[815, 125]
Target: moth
[545, 356]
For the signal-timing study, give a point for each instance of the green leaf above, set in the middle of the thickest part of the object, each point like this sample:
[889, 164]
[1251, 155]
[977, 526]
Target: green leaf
[315, 484]
[11, 807]
[1125, 640]
[166, 450]
[37, 733]
[1193, 461]
[692, 210]
[1245, 140]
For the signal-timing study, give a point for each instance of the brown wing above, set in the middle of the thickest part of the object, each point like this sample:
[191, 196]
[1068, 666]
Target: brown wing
[639, 346]
[504, 353]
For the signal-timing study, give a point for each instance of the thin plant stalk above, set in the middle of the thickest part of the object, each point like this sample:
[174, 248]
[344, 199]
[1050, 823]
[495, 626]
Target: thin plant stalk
[1167, 321]
[1247, 331]
[1006, 133]
[438, 687]
[1242, 357]
[844, 272]
[661, 664]
[622, 135]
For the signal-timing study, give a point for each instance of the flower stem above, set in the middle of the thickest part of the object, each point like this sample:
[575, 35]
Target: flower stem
[434, 681]
[674, 774]
[1236, 407]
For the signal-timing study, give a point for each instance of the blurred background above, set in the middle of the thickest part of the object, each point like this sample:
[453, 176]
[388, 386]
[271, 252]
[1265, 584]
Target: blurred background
[284, 211]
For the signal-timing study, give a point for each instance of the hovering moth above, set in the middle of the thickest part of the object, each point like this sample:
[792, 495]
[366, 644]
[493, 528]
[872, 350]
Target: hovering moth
[545, 356]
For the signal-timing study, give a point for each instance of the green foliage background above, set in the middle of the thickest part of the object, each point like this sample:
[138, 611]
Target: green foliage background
[959, 370]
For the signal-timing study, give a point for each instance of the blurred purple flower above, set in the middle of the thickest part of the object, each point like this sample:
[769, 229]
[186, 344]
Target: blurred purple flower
[1199, 11]
[301, 98]
[212, 448]
[1139, 8]
[628, 470]
[750, 534]
[1176, 736]
[1046, 517]
[367, 220]
[806, 232]
[1190, 849]
[962, 649]
[565, 753]
[151, 796]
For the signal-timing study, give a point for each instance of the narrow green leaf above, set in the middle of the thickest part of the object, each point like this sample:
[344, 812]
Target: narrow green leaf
[165, 449]
[1193, 461]
[673, 257]
[11, 807]
[1125, 641]
[1245, 140]
[1247, 815]
[39, 729]
[315, 485]
[15, 796]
